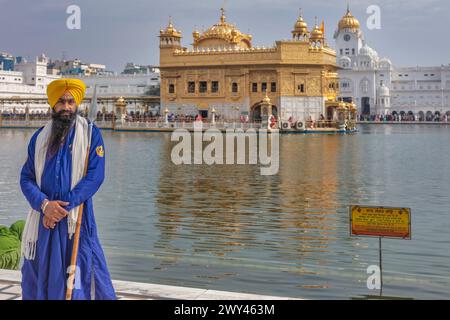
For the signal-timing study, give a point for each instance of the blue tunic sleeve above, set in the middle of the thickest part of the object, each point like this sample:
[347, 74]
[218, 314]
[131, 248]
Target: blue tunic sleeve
[28, 183]
[95, 175]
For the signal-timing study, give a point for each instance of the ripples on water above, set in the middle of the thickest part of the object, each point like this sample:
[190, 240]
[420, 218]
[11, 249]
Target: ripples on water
[226, 227]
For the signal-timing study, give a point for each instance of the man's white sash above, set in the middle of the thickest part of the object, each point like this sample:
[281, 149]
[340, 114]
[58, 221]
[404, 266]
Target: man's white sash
[79, 149]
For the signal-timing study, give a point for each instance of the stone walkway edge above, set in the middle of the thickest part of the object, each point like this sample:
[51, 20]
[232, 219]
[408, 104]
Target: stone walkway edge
[10, 290]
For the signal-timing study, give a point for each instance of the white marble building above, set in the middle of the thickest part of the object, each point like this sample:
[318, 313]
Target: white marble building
[131, 87]
[29, 81]
[122, 84]
[379, 88]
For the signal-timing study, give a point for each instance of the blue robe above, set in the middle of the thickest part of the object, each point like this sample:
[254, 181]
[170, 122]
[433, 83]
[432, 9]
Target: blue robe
[45, 277]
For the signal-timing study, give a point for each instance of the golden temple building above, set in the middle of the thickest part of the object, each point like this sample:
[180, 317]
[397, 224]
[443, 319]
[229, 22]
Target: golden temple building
[224, 72]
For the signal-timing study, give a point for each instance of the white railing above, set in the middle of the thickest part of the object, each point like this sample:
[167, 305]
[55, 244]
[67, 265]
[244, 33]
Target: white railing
[185, 125]
[155, 124]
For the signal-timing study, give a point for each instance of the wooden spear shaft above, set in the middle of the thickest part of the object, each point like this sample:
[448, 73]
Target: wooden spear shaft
[76, 240]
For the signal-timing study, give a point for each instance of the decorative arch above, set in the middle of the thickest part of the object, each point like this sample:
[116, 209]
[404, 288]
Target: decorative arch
[421, 116]
[255, 111]
[343, 87]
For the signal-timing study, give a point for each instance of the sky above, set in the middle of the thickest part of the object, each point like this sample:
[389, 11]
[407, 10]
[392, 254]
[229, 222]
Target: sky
[114, 32]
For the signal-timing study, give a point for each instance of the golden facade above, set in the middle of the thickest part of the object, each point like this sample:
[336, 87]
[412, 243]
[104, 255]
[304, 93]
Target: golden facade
[225, 72]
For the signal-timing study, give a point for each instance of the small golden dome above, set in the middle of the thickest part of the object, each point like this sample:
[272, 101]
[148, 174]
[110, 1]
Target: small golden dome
[170, 30]
[316, 33]
[120, 101]
[196, 34]
[301, 25]
[348, 21]
[266, 99]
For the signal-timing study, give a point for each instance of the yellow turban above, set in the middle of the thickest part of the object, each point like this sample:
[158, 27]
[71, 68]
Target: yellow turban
[57, 88]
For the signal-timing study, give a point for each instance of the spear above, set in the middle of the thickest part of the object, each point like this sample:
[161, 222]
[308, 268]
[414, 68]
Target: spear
[92, 116]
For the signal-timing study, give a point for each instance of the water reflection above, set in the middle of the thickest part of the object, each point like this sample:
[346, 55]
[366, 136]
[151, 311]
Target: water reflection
[226, 227]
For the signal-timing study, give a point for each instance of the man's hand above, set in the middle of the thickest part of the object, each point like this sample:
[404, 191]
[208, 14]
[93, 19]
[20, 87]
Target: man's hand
[55, 211]
[48, 223]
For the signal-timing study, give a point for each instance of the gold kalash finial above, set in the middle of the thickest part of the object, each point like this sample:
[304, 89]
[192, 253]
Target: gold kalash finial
[222, 16]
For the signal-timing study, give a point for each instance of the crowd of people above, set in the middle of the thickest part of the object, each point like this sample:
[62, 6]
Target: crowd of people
[405, 117]
[152, 117]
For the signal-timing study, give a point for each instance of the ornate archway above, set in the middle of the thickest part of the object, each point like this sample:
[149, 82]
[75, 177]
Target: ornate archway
[437, 116]
[421, 116]
[365, 106]
[255, 112]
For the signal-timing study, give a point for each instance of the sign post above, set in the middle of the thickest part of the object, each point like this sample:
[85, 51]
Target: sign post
[381, 222]
[381, 267]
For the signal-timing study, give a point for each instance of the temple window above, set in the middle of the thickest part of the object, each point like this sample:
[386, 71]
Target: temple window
[234, 87]
[191, 87]
[215, 86]
[254, 87]
[264, 86]
[301, 88]
[171, 88]
[203, 87]
[273, 87]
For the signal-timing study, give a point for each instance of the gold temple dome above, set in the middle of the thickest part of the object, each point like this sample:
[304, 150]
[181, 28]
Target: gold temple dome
[221, 34]
[170, 31]
[120, 101]
[301, 25]
[316, 33]
[348, 21]
[266, 99]
[300, 31]
[196, 34]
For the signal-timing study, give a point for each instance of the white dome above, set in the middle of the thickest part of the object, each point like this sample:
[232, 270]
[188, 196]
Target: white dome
[385, 63]
[364, 50]
[368, 51]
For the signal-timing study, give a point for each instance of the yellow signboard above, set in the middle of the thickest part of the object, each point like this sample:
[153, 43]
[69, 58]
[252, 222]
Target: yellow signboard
[380, 222]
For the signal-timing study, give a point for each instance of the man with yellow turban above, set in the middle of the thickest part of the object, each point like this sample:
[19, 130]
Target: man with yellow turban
[53, 182]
